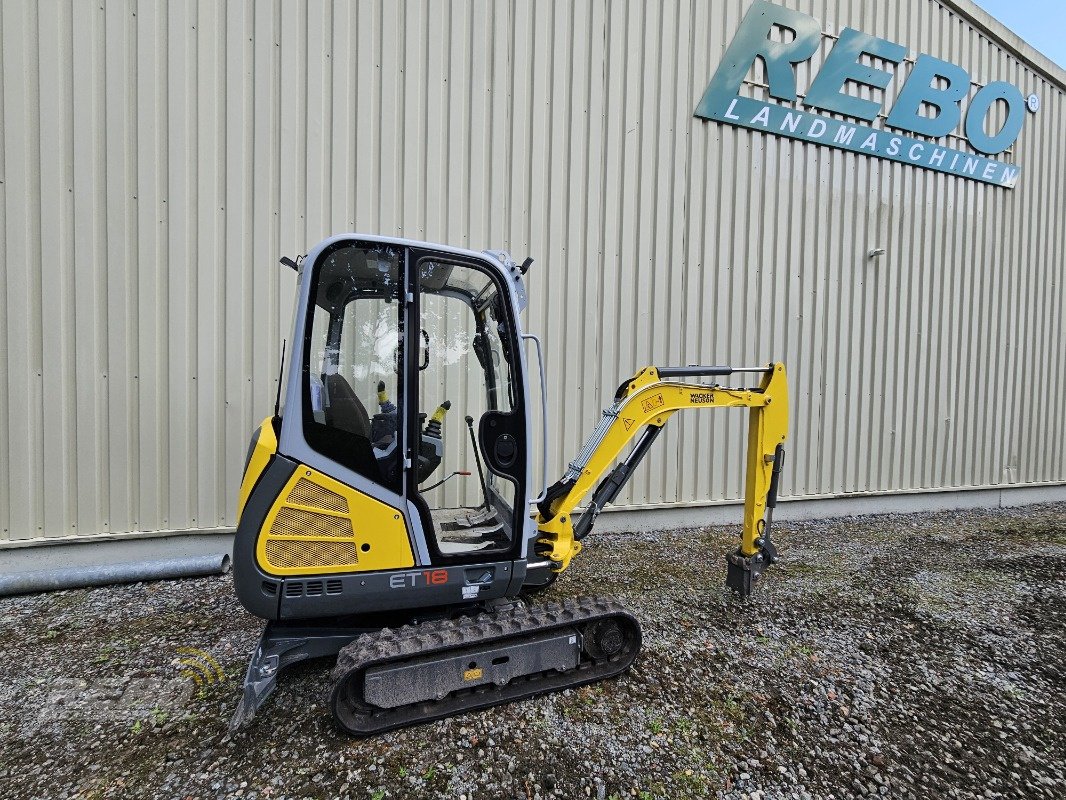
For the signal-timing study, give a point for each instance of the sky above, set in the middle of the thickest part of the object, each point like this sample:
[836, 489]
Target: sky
[1041, 23]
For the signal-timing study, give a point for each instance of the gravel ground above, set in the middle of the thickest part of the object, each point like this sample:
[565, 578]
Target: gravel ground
[894, 656]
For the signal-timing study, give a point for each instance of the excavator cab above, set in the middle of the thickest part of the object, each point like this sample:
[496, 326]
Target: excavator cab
[366, 500]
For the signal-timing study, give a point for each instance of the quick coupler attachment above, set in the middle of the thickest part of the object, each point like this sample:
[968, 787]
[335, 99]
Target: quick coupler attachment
[743, 573]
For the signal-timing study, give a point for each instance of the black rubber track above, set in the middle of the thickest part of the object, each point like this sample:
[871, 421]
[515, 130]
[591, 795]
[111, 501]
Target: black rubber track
[358, 718]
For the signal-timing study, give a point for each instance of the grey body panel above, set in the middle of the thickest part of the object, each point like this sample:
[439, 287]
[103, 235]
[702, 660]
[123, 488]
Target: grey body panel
[370, 592]
[248, 579]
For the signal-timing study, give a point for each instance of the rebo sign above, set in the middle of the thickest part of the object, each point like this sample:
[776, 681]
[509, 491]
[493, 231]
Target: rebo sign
[932, 83]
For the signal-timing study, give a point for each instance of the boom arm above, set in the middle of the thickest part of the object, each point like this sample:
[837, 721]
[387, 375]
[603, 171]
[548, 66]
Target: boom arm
[647, 400]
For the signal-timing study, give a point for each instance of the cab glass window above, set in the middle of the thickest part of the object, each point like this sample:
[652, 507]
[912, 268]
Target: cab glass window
[352, 382]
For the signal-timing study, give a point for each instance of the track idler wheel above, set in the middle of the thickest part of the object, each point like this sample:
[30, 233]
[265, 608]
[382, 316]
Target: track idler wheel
[604, 639]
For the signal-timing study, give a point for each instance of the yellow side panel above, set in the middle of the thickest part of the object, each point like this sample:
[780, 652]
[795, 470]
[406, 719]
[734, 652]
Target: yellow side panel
[319, 525]
[265, 447]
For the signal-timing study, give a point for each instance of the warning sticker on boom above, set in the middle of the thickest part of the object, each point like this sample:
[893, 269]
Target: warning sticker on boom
[652, 403]
[628, 422]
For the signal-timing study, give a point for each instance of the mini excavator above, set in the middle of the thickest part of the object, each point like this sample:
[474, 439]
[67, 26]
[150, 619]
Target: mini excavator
[353, 542]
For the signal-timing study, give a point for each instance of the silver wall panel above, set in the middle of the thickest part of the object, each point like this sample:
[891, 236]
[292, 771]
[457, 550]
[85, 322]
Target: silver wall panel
[157, 158]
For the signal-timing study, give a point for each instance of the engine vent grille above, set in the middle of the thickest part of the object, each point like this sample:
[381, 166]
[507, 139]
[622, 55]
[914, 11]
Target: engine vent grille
[306, 493]
[297, 522]
[303, 553]
[318, 528]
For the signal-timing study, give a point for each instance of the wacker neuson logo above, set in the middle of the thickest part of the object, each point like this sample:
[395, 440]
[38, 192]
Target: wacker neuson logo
[932, 84]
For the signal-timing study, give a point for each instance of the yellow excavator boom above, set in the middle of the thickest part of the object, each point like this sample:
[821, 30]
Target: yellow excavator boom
[642, 407]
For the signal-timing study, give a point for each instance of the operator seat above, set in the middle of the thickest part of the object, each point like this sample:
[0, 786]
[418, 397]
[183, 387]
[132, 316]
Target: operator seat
[344, 409]
[345, 412]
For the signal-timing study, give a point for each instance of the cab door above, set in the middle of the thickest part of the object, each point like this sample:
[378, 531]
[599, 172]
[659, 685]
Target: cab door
[466, 353]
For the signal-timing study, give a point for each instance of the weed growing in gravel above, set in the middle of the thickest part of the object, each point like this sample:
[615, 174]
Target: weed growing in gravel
[103, 655]
[689, 781]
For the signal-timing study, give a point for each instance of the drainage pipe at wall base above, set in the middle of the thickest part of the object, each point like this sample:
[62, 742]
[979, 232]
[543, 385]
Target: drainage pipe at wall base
[52, 580]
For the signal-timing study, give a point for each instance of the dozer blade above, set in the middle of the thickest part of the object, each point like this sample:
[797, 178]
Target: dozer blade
[395, 678]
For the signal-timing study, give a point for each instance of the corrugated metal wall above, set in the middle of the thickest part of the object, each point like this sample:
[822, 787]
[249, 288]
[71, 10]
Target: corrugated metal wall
[157, 158]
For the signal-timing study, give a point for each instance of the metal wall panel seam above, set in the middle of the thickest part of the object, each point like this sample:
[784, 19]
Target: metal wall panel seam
[150, 217]
[65, 217]
[5, 278]
[1058, 185]
[593, 217]
[39, 377]
[638, 275]
[614, 74]
[22, 170]
[561, 86]
[1059, 358]
[161, 372]
[130, 506]
[676, 195]
[683, 467]
[185, 282]
[236, 269]
[54, 309]
[218, 348]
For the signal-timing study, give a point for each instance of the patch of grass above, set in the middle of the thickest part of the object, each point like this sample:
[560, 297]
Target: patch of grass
[692, 783]
[732, 707]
